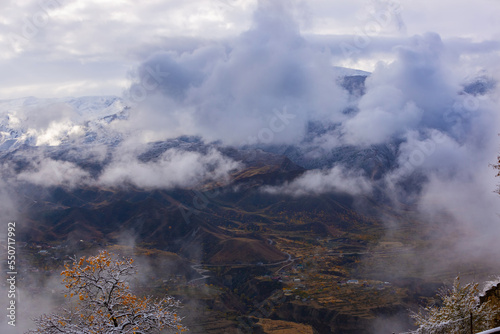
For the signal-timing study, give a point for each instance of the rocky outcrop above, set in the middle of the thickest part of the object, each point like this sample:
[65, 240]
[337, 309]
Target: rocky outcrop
[492, 295]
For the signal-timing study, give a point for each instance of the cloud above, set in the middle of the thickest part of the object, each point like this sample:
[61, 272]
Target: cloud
[54, 48]
[233, 92]
[270, 82]
[39, 116]
[174, 168]
[335, 180]
[58, 47]
[409, 93]
[49, 173]
[445, 173]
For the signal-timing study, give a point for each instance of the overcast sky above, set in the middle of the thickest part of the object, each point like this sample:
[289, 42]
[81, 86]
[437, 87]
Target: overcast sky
[56, 48]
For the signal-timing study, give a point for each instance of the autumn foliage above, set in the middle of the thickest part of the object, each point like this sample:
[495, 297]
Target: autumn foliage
[100, 301]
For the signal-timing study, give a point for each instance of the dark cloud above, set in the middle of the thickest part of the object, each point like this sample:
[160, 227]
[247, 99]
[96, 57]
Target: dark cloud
[235, 92]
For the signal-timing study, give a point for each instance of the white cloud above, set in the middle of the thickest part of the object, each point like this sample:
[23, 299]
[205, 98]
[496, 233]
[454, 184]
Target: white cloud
[174, 168]
[316, 182]
[55, 132]
[49, 173]
[44, 44]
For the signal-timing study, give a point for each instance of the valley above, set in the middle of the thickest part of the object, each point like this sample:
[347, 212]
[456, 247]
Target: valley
[259, 238]
[245, 258]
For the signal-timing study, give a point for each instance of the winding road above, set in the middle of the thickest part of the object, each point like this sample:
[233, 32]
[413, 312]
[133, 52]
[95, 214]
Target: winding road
[201, 271]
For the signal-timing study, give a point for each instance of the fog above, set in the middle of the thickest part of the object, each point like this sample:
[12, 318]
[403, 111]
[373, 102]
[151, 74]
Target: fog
[432, 99]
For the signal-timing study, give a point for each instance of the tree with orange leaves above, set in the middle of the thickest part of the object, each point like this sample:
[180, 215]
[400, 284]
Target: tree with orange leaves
[100, 301]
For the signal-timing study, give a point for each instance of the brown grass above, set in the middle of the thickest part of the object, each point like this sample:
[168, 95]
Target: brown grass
[284, 327]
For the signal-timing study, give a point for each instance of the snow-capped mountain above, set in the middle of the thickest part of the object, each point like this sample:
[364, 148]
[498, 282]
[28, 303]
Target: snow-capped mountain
[51, 122]
[74, 122]
[27, 121]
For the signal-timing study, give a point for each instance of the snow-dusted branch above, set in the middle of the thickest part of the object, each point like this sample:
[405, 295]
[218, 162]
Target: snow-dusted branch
[459, 310]
[100, 301]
